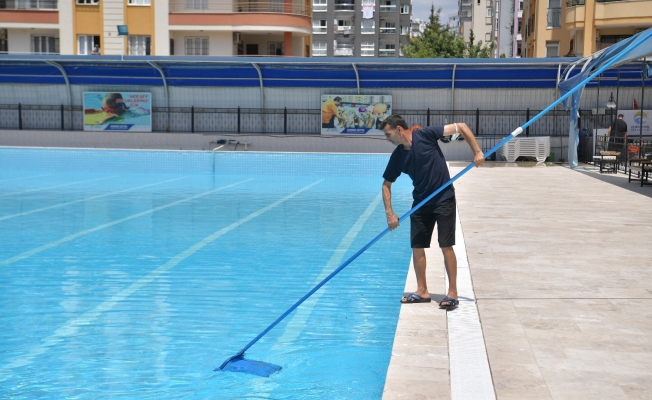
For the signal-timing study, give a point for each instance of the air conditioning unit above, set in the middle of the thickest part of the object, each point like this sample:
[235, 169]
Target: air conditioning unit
[236, 37]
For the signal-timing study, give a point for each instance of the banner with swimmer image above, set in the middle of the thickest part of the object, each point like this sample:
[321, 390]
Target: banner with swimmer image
[124, 111]
[354, 114]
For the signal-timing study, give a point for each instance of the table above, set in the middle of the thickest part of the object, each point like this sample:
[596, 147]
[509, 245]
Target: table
[645, 166]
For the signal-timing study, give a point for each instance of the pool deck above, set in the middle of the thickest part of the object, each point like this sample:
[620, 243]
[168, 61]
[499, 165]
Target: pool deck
[561, 265]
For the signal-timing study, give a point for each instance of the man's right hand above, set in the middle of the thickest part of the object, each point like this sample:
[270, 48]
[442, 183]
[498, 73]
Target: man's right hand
[392, 221]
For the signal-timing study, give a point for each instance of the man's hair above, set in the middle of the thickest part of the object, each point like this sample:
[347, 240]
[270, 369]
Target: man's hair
[621, 116]
[393, 121]
[338, 98]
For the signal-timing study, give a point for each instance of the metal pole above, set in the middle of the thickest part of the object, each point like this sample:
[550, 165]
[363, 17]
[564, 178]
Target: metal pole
[238, 119]
[428, 118]
[192, 119]
[527, 118]
[640, 135]
[62, 128]
[477, 121]
[20, 117]
[285, 120]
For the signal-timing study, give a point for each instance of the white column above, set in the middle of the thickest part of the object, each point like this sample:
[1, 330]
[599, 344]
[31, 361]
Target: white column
[161, 28]
[67, 39]
[114, 15]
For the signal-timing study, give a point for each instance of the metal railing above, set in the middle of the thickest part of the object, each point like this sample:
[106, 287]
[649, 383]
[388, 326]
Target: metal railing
[344, 30]
[554, 18]
[573, 3]
[386, 52]
[239, 6]
[29, 5]
[293, 121]
[634, 146]
[387, 30]
[344, 7]
[388, 8]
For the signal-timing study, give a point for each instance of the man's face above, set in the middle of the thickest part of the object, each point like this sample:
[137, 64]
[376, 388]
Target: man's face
[393, 135]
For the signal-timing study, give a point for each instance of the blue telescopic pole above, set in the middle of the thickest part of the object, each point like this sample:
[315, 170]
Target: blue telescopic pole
[415, 208]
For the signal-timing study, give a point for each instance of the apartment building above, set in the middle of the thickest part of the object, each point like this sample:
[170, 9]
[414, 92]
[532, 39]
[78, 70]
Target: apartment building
[554, 28]
[360, 28]
[508, 28]
[161, 27]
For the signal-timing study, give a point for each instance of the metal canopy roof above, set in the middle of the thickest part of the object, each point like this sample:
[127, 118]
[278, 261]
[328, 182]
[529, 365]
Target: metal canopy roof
[360, 73]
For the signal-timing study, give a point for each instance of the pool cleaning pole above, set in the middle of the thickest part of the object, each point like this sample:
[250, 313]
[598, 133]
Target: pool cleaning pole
[512, 135]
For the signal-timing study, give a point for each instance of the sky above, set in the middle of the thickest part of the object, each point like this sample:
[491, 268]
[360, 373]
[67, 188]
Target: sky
[421, 8]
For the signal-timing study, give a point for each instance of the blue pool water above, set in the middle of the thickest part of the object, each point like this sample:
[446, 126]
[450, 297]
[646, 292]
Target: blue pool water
[133, 274]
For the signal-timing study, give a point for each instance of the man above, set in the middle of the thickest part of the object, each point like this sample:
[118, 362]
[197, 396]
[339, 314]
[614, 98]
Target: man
[418, 154]
[329, 112]
[619, 129]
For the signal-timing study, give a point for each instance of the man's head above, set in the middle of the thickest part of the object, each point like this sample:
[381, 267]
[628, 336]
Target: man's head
[338, 100]
[621, 116]
[394, 126]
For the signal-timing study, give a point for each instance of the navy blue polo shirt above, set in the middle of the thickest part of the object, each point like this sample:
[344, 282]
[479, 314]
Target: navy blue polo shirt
[424, 163]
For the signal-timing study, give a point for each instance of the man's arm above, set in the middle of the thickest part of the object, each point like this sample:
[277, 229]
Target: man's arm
[609, 131]
[392, 219]
[466, 133]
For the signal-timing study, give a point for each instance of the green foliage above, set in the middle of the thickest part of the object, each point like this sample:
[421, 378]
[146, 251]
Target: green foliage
[438, 42]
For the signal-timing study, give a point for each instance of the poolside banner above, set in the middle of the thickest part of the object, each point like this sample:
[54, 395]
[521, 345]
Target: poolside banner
[354, 114]
[634, 120]
[124, 111]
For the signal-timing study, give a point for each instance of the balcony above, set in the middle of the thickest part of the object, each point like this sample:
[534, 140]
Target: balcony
[391, 7]
[554, 18]
[29, 5]
[343, 5]
[238, 6]
[573, 3]
[386, 52]
[343, 50]
[344, 30]
[388, 30]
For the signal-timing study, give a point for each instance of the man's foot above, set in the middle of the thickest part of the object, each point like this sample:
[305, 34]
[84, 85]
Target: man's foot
[415, 298]
[448, 303]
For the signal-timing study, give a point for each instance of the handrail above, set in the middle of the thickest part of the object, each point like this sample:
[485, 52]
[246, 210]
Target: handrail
[238, 6]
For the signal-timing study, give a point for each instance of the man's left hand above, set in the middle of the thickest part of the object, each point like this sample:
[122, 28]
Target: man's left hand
[478, 159]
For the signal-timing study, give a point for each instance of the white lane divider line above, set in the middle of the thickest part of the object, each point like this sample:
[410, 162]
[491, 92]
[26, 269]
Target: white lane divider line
[72, 326]
[6, 217]
[297, 324]
[68, 238]
[57, 186]
[25, 177]
[470, 373]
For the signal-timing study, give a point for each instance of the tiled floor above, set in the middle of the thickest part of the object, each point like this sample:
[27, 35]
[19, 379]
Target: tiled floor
[561, 263]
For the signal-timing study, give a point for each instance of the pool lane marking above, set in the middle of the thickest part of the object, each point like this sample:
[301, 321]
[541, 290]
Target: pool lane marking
[73, 325]
[82, 200]
[24, 177]
[68, 238]
[297, 324]
[57, 186]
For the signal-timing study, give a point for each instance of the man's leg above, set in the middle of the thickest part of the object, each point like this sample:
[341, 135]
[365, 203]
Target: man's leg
[450, 261]
[419, 260]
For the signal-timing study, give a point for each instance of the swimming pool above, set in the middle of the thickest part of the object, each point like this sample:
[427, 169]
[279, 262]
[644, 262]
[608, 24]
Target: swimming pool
[133, 274]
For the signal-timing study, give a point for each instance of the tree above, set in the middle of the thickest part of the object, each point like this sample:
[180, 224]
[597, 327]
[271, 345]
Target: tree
[436, 41]
[477, 50]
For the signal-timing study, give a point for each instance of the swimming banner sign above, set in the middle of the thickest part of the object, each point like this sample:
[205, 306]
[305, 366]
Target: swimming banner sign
[354, 114]
[124, 111]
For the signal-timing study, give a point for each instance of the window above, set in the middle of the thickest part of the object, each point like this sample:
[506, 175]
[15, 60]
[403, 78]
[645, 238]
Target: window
[387, 50]
[405, 8]
[389, 28]
[552, 49]
[387, 5]
[368, 3]
[343, 25]
[318, 49]
[318, 26]
[197, 46]
[139, 45]
[367, 49]
[319, 5]
[489, 12]
[344, 5]
[140, 2]
[276, 6]
[520, 6]
[85, 44]
[405, 30]
[368, 26]
[45, 44]
[196, 4]
[4, 44]
[275, 48]
[89, 2]
[487, 37]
